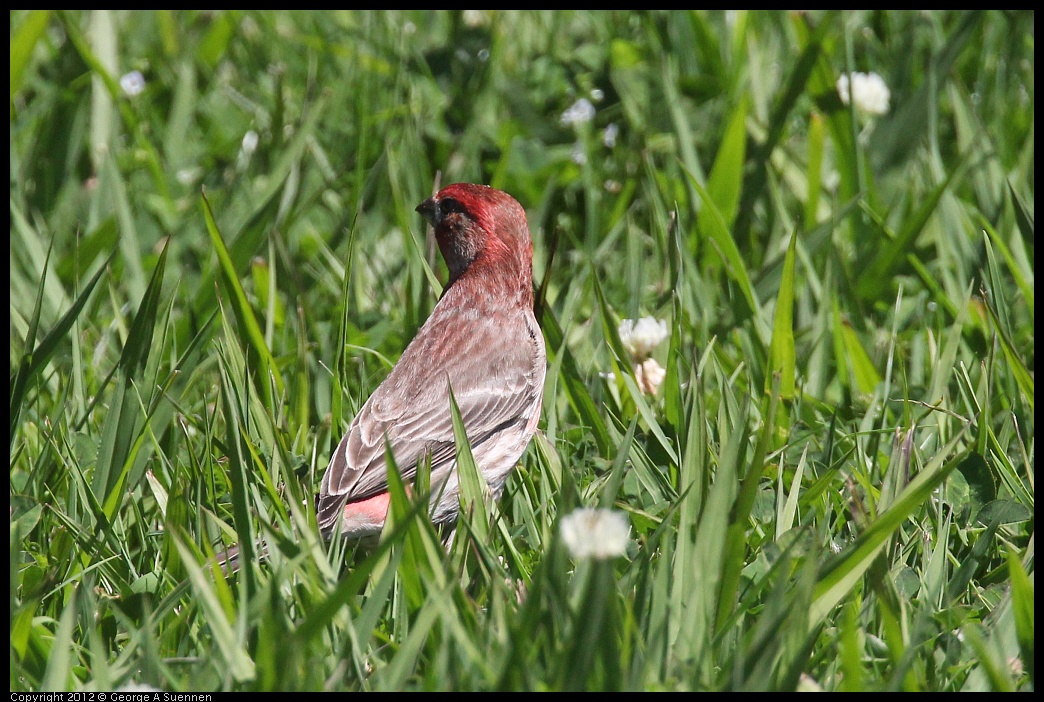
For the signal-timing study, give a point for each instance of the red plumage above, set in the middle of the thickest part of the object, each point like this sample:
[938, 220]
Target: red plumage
[482, 340]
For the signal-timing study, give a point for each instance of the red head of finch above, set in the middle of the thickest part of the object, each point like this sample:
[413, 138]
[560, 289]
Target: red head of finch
[481, 340]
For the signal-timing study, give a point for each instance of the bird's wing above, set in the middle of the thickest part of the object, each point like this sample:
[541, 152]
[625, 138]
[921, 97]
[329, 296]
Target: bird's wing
[496, 370]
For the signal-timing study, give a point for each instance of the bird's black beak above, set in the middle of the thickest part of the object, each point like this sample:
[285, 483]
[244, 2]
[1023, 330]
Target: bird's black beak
[429, 209]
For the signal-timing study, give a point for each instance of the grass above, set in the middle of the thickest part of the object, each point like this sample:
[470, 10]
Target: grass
[833, 488]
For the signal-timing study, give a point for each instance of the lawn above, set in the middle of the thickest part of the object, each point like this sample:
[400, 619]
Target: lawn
[825, 466]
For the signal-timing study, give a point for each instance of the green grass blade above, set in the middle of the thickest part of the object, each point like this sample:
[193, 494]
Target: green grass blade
[228, 643]
[1023, 215]
[122, 426]
[32, 363]
[22, 44]
[1022, 605]
[474, 491]
[726, 176]
[578, 392]
[814, 178]
[58, 676]
[249, 328]
[782, 357]
[880, 272]
[840, 574]
[718, 233]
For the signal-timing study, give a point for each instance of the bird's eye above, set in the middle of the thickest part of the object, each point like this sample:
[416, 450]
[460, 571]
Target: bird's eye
[448, 205]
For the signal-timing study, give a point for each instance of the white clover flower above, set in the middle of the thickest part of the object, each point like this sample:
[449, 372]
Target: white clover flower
[133, 83]
[596, 533]
[610, 134]
[409, 28]
[641, 336]
[579, 112]
[650, 375]
[250, 140]
[868, 92]
[597, 95]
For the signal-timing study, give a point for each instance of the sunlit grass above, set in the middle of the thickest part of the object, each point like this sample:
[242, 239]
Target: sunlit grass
[832, 487]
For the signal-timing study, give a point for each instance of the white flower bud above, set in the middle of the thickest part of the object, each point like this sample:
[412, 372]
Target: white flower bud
[868, 92]
[596, 533]
[641, 336]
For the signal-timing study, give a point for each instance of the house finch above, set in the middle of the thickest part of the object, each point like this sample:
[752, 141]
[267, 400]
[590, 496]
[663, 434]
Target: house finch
[481, 340]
